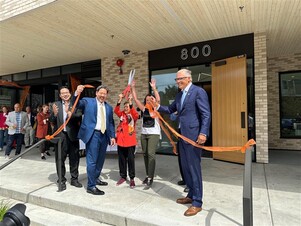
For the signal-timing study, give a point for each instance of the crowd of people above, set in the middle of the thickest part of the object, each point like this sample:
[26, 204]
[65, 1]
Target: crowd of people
[92, 122]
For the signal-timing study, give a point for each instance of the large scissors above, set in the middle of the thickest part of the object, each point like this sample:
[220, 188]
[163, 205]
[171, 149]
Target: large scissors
[127, 90]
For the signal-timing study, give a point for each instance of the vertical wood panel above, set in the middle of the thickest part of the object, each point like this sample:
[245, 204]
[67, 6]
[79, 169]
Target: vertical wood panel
[229, 99]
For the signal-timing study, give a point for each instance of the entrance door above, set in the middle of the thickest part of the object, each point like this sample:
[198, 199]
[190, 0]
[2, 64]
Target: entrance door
[229, 106]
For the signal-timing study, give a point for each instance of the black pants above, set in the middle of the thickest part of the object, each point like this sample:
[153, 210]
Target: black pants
[126, 156]
[70, 148]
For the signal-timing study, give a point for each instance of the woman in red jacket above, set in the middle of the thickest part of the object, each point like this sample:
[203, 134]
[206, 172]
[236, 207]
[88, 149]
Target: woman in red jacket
[126, 139]
[42, 129]
[3, 127]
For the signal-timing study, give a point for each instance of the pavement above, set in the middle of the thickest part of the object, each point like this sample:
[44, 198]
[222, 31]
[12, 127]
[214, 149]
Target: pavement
[276, 193]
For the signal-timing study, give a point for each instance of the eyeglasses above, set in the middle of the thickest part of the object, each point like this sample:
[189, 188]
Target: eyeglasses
[179, 79]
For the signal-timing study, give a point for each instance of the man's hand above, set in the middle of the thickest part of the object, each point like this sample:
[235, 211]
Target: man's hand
[55, 109]
[201, 139]
[80, 89]
[113, 142]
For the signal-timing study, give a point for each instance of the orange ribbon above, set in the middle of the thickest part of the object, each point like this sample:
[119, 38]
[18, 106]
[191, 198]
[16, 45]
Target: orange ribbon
[243, 148]
[49, 137]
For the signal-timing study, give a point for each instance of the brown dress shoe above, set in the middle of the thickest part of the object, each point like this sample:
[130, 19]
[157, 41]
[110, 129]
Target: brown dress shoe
[185, 200]
[192, 210]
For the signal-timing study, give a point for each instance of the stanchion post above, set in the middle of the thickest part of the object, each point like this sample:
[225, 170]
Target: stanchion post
[247, 189]
[59, 162]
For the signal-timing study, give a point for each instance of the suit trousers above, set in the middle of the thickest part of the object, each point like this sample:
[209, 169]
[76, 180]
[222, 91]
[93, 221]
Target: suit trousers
[95, 156]
[126, 159]
[191, 166]
[70, 148]
[29, 136]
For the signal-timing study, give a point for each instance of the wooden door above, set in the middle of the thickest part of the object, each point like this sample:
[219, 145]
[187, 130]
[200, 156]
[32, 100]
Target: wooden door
[229, 106]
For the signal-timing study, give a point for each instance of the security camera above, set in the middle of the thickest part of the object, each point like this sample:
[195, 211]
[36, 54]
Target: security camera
[126, 52]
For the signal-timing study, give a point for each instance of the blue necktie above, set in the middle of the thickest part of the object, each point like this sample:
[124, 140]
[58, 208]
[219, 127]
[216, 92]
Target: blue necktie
[183, 98]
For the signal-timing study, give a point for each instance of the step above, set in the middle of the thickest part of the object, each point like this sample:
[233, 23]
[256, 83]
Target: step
[41, 216]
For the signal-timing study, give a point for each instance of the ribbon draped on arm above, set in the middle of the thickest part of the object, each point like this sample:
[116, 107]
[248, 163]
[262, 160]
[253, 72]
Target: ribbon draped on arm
[49, 137]
[243, 148]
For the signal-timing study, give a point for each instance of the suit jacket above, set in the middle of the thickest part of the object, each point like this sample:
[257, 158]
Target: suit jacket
[89, 109]
[11, 121]
[194, 117]
[73, 125]
[32, 119]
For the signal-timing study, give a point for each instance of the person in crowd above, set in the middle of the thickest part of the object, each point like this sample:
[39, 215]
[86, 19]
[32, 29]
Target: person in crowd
[150, 133]
[42, 129]
[3, 127]
[17, 122]
[126, 139]
[30, 131]
[97, 131]
[61, 110]
[194, 119]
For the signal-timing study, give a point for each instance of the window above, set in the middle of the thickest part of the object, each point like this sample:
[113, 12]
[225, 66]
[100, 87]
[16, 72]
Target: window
[290, 104]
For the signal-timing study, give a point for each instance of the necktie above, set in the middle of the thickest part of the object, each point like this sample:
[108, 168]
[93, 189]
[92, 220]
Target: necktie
[102, 118]
[183, 98]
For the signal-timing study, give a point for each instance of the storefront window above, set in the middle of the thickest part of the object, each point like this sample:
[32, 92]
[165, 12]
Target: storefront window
[165, 80]
[290, 104]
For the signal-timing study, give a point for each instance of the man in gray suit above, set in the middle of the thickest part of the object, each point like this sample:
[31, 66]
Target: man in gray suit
[17, 122]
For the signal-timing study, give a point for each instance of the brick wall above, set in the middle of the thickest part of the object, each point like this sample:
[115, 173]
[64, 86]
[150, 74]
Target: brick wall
[276, 65]
[10, 8]
[261, 101]
[117, 83]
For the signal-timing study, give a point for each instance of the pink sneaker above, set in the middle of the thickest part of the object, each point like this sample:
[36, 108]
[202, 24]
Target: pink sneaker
[132, 183]
[121, 180]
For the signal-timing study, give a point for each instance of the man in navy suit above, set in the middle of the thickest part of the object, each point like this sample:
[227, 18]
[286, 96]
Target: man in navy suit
[194, 122]
[97, 131]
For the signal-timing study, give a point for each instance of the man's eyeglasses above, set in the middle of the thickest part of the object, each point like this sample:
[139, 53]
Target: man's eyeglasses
[179, 79]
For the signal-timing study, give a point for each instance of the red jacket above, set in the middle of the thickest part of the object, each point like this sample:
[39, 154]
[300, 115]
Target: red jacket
[42, 127]
[3, 117]
[126, 130]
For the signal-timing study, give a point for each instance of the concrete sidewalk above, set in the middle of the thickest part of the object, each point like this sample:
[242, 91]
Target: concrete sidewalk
[276, 193]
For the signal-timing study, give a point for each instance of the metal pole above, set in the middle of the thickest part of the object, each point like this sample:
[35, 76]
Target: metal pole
[59, 162]
[247, 189]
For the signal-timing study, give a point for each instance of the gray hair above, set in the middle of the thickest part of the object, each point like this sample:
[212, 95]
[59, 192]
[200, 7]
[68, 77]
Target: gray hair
[186, 72]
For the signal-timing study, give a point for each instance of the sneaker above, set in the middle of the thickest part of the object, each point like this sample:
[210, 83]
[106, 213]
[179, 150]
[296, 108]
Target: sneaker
[47, 153]
[121, 180]
[6, 157]
[148, 184]
[132, 183]
[1, 149]
[43, 157]
[145, 181]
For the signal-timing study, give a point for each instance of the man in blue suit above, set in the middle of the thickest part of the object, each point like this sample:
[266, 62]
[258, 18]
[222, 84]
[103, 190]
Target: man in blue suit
[194, 119]
[97, 131]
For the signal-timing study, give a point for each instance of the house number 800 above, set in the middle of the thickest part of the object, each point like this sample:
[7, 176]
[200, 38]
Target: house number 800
[195, 52]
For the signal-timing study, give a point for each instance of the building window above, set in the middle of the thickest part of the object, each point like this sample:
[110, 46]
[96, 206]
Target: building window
[290, 104]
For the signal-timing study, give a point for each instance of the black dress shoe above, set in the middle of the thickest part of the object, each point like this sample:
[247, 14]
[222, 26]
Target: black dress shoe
[181, 182]
[76, 184]
[95, 191]
[101, 183]
[63, 187]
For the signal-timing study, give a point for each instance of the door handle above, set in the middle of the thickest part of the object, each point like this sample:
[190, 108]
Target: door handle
[243, 121]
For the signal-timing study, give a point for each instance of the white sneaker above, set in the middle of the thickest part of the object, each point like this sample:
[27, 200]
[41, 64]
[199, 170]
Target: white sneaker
[6, 157]
[1, 149]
